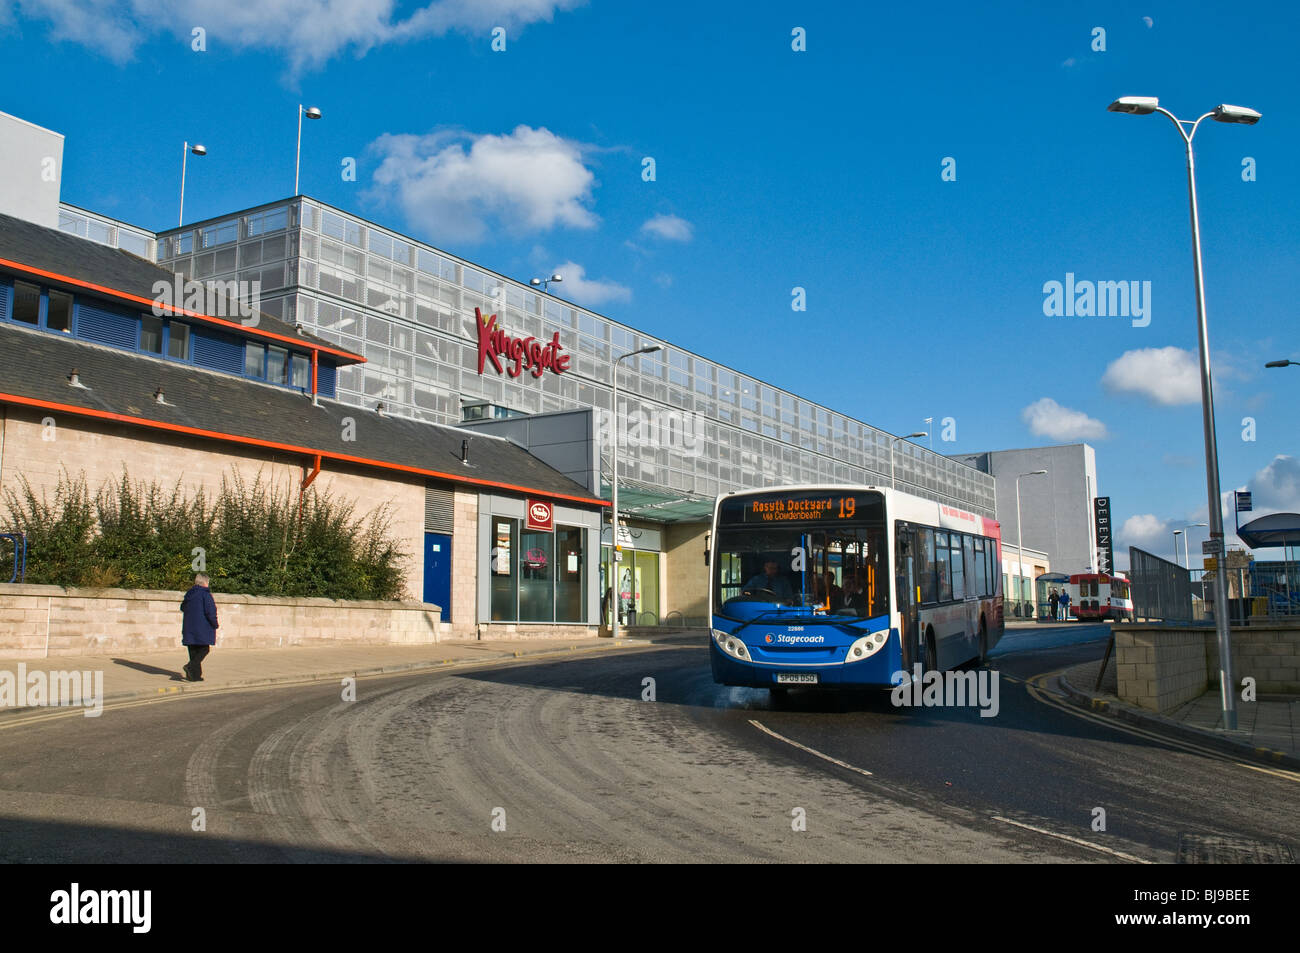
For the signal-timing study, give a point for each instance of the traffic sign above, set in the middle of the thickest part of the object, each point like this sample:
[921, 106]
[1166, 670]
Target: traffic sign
[1212, 547]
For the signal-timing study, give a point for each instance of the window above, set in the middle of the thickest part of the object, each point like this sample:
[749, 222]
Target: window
[59, 314]
[925, 566]
[178, 341]
[27, 303]
[254, 358]
[277, 368]
[943, 565]
[972, 578]
[502, 572]
[151, 335]
[981, 581]
[300, 372]
[958, 569]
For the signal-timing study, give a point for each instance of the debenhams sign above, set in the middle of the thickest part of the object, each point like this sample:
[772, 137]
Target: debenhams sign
[519, 354]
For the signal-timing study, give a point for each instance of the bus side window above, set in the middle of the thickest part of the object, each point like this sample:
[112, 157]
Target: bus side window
[925, 567]
[941, 563]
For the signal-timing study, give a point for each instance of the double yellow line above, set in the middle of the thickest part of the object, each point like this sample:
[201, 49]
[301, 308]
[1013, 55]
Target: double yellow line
[1037, 688]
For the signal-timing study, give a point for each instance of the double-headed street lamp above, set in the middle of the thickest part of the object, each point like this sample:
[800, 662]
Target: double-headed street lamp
[919, 433]
[1141, 106]
[615, 554]
[543, 283]
[1020, 551]
[311, 112]
[198, 150]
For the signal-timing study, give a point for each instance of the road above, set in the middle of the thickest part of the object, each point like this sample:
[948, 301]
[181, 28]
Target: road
[567, 757]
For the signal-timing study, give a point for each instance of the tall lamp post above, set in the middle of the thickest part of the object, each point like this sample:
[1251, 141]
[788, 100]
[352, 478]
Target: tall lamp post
[544, 283]
[615, 553]
[1141, 106]
[1187, 562]
[198, 150]
[919, 433]
[311, 112]
[1177, 533]
[1020, 551]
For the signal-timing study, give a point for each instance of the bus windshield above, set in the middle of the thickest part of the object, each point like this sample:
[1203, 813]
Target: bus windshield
[837, 570]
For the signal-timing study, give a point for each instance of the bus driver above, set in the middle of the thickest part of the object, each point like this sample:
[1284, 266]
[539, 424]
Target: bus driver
[771, 580]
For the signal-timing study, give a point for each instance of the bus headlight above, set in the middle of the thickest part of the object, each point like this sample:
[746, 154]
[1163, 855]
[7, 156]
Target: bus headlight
[866, 646]
[731, 645]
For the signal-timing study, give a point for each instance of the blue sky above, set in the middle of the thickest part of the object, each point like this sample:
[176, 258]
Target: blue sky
[775, 169]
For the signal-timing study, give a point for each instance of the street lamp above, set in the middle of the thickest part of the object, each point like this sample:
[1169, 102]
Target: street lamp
[1187, 563]
[1020, 551]
[311, 112]
[615, 554]
[198, 150]
[543, 282]
[1282, 363]
[1143, 105]
[1177, 533]
[919, 433]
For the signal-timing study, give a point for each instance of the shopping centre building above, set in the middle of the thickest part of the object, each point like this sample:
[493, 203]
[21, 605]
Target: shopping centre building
[447, 342]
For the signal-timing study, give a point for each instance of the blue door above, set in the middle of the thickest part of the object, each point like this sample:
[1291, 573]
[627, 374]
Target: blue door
[437, 572]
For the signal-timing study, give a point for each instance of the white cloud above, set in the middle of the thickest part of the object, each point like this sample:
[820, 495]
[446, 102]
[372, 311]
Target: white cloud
[1046, 418]
[670, 228]
[1163, 375]
[1276, 488]
[530, 180]
[308, 32]
[589, 291]
[1147, 531]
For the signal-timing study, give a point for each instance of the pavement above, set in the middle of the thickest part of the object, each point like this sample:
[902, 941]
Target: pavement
[1268, 729]
[150, 674]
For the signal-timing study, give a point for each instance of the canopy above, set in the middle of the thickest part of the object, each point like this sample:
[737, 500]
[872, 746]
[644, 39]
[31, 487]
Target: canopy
[1276, 529]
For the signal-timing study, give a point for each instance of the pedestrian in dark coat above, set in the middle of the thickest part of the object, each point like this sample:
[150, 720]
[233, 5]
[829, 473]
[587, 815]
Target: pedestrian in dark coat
[198, 626]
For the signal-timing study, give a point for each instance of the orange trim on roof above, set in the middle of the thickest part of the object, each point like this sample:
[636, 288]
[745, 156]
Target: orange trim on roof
[171, 309]
[272, 445]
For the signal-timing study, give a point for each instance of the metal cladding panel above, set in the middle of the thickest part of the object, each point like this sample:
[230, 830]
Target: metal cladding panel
[218, 351]
[111, 327]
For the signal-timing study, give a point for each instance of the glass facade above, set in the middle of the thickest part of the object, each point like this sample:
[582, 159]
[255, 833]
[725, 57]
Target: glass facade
[689, 426]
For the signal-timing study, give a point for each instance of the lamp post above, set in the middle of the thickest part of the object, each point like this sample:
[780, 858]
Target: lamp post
[1187, 562]
[1141, 106]
[919, 433]
[615, 554]
[1282, 363]
[198, 150]
[1177, 533]
[1020, 551]
[544, 282]
[311, 112]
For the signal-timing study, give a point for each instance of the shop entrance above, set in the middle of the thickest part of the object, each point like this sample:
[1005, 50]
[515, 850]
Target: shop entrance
[638, 588]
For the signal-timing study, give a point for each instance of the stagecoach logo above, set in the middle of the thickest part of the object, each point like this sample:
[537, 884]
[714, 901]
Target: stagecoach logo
[768, 638]
[525, 353]
[540, 516]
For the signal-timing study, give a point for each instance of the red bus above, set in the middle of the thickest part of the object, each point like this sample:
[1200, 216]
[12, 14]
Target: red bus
[1101, 597]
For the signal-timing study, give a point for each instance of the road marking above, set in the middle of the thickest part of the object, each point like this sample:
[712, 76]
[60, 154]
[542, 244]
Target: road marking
[811, 751]
[1037, 688]
[1075, 840]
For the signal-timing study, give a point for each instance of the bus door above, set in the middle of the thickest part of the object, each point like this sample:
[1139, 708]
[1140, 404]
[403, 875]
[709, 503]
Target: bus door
[906, 593]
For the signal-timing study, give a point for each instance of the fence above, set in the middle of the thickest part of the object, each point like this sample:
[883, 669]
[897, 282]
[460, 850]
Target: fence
[1161, 590]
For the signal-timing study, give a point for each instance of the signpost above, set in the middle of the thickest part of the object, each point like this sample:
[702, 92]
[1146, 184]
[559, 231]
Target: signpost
[1105, 546]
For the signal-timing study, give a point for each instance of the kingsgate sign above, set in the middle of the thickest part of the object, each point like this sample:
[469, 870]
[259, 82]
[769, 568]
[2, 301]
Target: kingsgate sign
[525, 353]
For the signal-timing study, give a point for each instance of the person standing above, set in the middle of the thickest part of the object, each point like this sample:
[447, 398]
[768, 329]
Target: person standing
[1055, 600]
[1065, 606]
[198, 626]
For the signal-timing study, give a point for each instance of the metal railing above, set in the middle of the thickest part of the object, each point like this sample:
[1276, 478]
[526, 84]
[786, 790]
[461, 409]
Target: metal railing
[1161, 590]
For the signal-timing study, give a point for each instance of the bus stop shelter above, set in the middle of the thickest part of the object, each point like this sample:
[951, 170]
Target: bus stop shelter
[1277, 529]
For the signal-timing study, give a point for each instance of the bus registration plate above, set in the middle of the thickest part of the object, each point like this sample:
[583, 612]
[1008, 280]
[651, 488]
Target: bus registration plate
[796, 678]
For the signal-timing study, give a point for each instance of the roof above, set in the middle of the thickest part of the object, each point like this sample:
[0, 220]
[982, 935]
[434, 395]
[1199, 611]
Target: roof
[119, 387]
[78, 262]
[1276, 529]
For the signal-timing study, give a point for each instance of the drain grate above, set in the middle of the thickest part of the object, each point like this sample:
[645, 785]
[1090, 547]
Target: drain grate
[1209, 849]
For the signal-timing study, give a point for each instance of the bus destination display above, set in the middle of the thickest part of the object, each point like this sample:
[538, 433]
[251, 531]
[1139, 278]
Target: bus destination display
[823, 507]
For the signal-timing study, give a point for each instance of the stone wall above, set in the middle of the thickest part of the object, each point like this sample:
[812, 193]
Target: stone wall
[110, 621]
[687, 576]
[1160, 668]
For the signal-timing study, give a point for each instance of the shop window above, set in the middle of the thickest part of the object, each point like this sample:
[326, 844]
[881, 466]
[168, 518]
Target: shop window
[501, 569]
